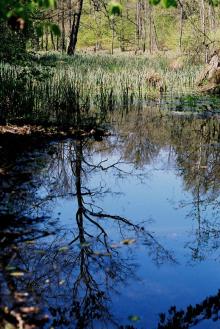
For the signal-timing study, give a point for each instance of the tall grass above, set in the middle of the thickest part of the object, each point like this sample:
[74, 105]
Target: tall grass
[59, 89]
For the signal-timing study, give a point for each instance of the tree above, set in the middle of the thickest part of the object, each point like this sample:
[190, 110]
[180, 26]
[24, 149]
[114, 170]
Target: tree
[75, 28]
[115, 9]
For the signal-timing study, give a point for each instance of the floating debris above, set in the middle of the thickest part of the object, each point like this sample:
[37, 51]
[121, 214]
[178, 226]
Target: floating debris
[128, 241]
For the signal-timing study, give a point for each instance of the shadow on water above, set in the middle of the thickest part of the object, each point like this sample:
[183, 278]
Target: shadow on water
[69, 273]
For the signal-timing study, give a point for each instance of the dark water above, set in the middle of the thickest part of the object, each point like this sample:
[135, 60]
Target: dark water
[122, 232]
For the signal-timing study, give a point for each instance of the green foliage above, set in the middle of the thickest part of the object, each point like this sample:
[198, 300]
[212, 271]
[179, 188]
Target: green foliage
[46, 3]
[115, 8]
[214, 3]
[55, 29]
[23, 9]
[40, 28]
[20, 20]
[154, 2]
[12, 43]
[173, 3]
[164, 3]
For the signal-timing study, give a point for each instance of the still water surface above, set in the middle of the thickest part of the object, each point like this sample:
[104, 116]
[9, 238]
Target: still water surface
[112, 233]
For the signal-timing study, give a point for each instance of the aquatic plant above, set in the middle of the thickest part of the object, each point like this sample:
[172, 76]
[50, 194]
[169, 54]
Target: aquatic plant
[56, 89]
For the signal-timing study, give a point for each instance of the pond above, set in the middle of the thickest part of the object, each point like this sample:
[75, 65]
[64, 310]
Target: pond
[114, 232]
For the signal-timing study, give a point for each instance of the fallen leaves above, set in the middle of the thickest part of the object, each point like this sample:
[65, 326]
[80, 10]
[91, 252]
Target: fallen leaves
[100, 253]
[30, 242]
[63, 249]
[134, 318]
[12, 129]
[17, 274]
[85, 244]
[128, 241]
[50, 131]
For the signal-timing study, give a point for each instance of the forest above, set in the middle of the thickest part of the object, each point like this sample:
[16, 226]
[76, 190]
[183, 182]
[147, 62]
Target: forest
[109, 164]
[190, 28]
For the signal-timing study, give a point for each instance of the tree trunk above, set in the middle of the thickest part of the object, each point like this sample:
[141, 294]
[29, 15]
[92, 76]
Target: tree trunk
[145, 24]
[113, 37]
[70, 15]
[150, 30]
[75, 28]
[138, 24]
[63, 43]
[52, 40]
[181, 25]
[58, 23]
[203, 27]
[46, 39]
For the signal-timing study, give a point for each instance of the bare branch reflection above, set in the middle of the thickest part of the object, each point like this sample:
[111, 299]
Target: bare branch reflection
[76, 272]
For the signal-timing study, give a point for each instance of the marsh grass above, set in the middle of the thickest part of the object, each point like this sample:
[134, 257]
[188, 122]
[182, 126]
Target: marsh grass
[58, 89]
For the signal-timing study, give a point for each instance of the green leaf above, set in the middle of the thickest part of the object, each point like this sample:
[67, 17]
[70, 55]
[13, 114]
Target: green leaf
[165, 3]
[214, 3]
[47, 3]
[39, 30]
[169, 3]
[115, 8]
[154, 2]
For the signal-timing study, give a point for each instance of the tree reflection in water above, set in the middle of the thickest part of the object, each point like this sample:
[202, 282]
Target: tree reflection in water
[73, 274]
[193, 144]
[208, 309]
[199, 164]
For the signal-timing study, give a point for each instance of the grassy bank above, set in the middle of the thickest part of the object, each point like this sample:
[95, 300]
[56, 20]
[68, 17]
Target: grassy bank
[56, 88]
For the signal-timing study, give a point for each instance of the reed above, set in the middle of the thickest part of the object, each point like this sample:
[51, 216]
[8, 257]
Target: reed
[58, 89]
